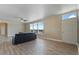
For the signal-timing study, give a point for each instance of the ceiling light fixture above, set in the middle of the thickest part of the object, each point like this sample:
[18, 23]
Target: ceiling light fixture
[22, 20]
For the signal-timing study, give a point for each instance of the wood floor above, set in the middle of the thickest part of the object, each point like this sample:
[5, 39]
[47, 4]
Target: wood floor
[36, 47]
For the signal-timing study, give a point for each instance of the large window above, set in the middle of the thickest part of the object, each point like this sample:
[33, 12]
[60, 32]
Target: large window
[40, 27]
[69, 16]
[37, 27]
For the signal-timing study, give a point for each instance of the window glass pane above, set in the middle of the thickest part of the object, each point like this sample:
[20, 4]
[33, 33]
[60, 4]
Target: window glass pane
[69, 16]
[40, 26]
[31, 26]
[35, 26]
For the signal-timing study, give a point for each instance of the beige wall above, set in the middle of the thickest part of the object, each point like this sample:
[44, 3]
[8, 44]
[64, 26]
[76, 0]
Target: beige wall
[14, 27]
[53, 27]
[27, 27]
[23, 29]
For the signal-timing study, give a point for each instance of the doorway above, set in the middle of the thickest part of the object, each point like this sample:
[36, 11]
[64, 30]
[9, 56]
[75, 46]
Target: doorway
[3, 29]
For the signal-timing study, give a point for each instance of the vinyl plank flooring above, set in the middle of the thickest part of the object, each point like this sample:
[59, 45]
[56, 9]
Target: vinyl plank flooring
[36, 47]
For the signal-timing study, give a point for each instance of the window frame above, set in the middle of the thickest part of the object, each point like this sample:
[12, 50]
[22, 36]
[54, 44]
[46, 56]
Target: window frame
[38, 30]
[66, 14]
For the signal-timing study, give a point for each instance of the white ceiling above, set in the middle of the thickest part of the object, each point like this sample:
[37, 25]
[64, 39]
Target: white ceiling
[32, 12]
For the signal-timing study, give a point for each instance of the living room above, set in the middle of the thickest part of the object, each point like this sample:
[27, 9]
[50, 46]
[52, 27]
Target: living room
[55, 27]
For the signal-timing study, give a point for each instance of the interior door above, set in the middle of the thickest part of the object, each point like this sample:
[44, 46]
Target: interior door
[69, 30]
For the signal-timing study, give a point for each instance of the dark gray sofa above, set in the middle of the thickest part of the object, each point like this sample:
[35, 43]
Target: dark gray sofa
[23, 37]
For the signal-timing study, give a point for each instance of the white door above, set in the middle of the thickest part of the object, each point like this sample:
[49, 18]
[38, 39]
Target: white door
[69, 30]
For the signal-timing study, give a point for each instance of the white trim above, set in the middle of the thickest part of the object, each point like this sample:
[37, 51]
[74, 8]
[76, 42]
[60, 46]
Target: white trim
[59, 41]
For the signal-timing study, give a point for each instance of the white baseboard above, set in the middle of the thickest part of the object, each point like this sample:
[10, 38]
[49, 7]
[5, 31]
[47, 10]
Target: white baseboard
[60, 41]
